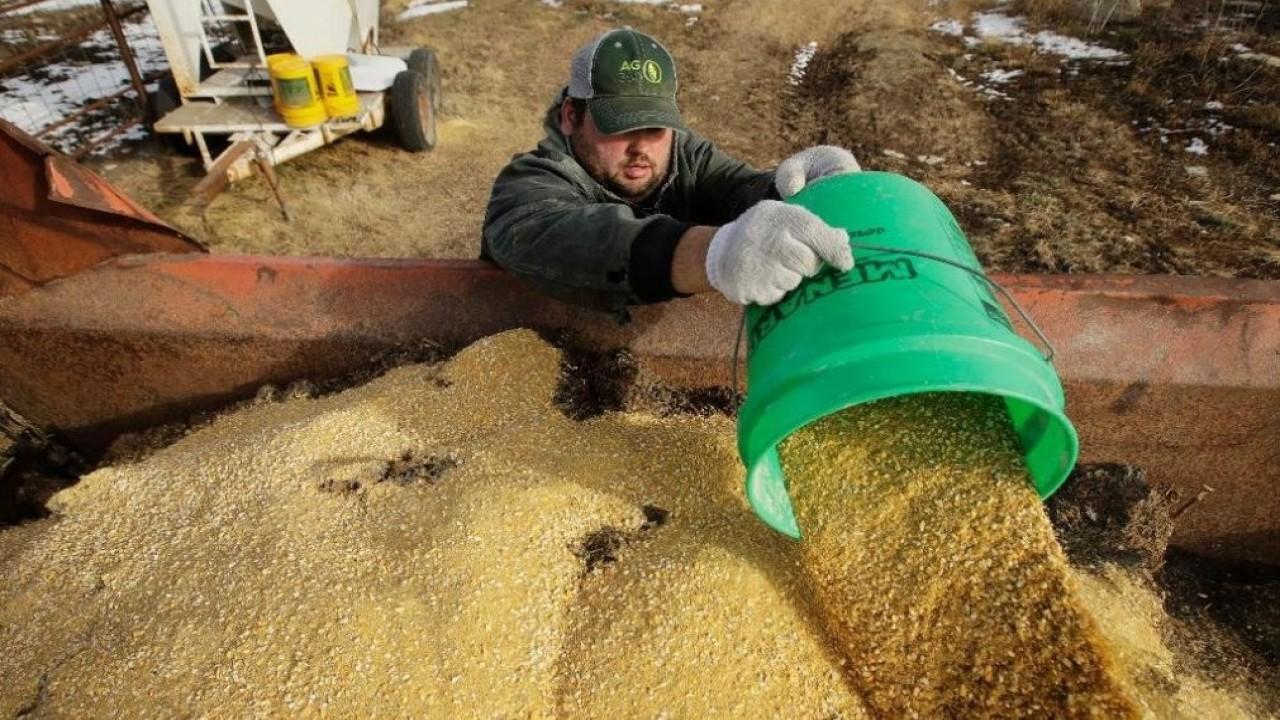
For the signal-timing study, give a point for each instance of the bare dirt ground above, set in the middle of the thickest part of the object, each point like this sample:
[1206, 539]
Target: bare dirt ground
[1164, 161]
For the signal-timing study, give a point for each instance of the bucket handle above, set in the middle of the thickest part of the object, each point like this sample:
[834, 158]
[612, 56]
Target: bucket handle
[1026, 317]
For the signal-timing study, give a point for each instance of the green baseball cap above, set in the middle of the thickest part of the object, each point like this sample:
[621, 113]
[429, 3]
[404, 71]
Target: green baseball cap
[628, 80]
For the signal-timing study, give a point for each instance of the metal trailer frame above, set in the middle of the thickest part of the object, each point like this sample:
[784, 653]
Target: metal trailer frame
[233, 100]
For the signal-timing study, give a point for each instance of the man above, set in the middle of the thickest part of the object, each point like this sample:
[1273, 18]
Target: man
[620, 204]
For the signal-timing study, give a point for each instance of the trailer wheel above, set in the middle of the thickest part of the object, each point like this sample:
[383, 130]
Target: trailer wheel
[413, 111]
[423, 60]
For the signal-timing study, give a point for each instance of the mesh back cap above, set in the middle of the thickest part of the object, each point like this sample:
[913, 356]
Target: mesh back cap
[628, 80]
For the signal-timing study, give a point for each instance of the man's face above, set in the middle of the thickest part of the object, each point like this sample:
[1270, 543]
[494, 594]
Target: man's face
[631, 164]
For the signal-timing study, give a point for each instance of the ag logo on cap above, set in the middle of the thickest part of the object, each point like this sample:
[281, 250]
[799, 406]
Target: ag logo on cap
[652, 72]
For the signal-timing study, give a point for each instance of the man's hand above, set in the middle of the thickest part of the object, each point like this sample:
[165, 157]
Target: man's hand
[810, 164]
[766, 252]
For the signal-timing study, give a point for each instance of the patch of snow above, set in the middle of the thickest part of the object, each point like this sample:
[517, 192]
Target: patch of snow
[1011, 30]
[429, 7]
[1001, 77]
[1197, 171]
[691, 21]
[894, 154]
[553, 3]
[803, 55]
[1272, 60]
[1213, 126]
[673, 5]
[986, 90]
[1213, 105]
[1241, 48]
[133, 133]
[954, 28]
[1074, 48]
[959, 78]
[931, 159]
[998, 26]
[53, 6]
[47, 93]
[1275, 196]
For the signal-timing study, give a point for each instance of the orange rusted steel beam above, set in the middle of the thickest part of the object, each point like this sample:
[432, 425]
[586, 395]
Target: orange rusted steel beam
[58, 218]
[1178, 375]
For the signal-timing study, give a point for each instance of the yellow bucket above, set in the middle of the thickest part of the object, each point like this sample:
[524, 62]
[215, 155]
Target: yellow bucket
[273, 60]
[296, 96]
[336, 88]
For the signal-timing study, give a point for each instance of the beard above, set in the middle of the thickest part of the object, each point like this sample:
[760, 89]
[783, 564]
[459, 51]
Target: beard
[614, 178]
[627, 189]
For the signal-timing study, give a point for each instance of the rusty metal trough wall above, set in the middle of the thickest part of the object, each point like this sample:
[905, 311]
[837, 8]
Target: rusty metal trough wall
[58, 218]
[1178, 375]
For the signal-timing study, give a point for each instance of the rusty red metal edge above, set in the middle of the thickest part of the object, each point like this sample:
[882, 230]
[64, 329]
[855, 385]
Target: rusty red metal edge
[1178, 375]
[60, 218]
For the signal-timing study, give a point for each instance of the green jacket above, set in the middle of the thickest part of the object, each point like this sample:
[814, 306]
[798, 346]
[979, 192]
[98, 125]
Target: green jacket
[550, 222]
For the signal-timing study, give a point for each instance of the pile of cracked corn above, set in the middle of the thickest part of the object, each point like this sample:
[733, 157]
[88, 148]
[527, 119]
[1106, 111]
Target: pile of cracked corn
[444, 542]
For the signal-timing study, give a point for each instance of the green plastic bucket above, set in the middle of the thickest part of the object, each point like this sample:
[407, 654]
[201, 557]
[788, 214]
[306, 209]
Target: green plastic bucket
[895, 324]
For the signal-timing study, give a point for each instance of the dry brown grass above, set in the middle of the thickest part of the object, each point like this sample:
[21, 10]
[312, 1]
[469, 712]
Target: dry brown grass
[1094, 15]
[1067, 175]
[365, 197]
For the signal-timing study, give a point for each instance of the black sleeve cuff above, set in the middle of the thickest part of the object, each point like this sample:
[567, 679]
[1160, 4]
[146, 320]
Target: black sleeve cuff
[771, 193]
[651, 254]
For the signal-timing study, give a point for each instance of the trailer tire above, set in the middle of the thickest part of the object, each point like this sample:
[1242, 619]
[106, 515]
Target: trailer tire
[423, 61]
[413, 112]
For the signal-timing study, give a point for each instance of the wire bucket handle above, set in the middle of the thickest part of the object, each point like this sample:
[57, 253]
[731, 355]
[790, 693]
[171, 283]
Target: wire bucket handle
[1048, 353]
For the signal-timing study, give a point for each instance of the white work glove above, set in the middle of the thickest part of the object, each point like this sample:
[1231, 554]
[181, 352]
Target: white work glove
[766, 252]
[810, 164]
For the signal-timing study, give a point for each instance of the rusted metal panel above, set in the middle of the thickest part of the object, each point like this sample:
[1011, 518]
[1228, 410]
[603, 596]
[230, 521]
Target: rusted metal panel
[113, 16]
[58, 218]
[1179, 375]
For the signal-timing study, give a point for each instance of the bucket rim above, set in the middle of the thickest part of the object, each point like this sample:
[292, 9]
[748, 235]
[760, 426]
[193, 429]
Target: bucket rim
[770, 500]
